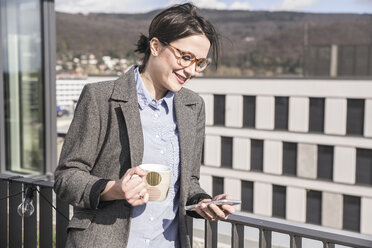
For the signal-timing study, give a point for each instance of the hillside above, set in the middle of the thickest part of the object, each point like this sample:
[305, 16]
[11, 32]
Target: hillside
[254, 42]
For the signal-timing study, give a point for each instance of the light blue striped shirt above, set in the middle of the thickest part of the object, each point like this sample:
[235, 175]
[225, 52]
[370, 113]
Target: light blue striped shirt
[155, 224]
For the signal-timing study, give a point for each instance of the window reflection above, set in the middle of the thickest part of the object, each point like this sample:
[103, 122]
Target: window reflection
[23, 85]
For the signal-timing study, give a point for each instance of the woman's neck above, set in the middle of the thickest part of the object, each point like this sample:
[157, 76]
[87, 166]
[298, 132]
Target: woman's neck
[155, 91]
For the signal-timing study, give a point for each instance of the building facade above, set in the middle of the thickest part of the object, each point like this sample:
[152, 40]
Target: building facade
[27, 87]
[297, 149]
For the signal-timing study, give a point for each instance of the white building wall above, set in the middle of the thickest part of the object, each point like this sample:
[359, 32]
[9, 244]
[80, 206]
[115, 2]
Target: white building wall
[298, 117]
[332, 210]
[242, 153]
[233, 187]
[209, 114]
[234, 111]
[206, 183]
[366, 216]
[273, 157]
[296, 204]
[344, 164]
[335, 116]
[212, 150]
[307, 160]
[265, 110]
[262, 198]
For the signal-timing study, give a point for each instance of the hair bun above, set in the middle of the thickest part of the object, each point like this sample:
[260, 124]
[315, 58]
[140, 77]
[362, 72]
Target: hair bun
[143, 44]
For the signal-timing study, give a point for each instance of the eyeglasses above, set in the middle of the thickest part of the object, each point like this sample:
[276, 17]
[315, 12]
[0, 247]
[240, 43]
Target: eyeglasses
[186, 59]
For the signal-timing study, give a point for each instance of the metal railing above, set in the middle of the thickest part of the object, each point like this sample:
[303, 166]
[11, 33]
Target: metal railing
[295, 232]
[13, 234]
[30, 234]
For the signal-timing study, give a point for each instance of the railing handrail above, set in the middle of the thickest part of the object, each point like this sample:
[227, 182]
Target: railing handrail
[346, 238]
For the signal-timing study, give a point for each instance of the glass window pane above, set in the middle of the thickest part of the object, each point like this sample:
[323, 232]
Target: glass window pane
[23, 85]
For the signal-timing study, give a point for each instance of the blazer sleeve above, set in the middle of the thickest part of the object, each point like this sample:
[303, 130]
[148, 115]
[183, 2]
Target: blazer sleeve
[73, 180]
[196, 193]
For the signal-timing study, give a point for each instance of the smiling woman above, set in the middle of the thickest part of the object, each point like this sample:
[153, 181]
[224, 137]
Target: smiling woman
[144, 117]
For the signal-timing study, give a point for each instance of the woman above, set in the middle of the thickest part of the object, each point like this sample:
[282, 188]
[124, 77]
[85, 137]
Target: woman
[143, 117]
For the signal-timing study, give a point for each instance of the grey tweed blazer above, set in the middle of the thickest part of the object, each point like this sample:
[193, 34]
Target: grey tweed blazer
[104, 140]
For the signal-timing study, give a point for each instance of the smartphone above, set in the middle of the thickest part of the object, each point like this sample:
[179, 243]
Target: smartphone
[217, 202]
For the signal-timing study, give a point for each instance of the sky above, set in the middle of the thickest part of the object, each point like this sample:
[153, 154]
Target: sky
[141, 6]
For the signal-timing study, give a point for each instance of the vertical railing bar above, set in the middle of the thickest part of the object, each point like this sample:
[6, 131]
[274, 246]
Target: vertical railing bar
[237, 235]
[30, 226]
[190, 224]
[207, 235]
[295, 241]
[61, 223]
[211, 233]
[46, 217]
[328, 245]
[4, 213]
[15, 221]
[264, 238]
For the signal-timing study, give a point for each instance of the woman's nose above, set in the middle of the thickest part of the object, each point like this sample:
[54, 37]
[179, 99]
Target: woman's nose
[191, 70]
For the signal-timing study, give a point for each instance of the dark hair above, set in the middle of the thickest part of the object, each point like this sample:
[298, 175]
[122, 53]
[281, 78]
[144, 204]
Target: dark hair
[177, 22]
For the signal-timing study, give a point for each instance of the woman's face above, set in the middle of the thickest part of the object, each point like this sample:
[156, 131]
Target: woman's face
[167, 74]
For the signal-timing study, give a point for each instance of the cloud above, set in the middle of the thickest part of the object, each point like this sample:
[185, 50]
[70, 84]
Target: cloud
[240, 6]
[111, 6]
[294, 4]
[210, 4]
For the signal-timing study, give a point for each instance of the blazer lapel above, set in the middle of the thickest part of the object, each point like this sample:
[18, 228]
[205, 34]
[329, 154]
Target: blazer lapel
[125, 93]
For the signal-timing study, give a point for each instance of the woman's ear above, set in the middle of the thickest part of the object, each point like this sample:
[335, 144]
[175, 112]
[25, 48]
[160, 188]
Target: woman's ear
[155, 46]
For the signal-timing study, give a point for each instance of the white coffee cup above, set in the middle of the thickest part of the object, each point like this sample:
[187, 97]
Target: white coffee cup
[157, 180]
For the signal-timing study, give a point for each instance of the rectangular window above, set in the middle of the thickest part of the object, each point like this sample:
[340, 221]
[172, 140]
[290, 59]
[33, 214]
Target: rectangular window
[314, 207]
[249, 111]
[325, 162]
[247, 196]
[226, 151]
[346, 60]
[361, 60]
[256, 155]
[364, 166]
[323, 61]
[279, 201]
[316, 115]
[351, 213]
[219, 110]
[218, 187]
[289, 158]
[281, 113]
[355, 116]
[22, 59]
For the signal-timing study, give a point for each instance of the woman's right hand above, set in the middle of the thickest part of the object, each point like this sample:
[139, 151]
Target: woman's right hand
[131, 187]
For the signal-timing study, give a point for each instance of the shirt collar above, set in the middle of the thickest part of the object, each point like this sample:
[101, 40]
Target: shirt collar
[144, 97]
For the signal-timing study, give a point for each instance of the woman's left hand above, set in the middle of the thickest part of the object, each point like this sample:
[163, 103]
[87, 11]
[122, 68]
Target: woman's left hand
[212, 212]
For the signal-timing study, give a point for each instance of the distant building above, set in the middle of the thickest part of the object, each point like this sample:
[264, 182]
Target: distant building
[297, 149]
[27, 87]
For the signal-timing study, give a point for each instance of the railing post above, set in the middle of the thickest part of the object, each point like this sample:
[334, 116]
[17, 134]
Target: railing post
[295, 241]
[4, 213]
[46, 218]
[211, 233]
[237, 235]
[328, 245]
[15, 221]
[30, 225]
[265, 238]
[190, 224]
[61, 223]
